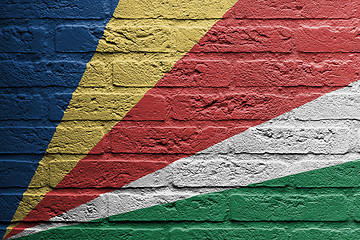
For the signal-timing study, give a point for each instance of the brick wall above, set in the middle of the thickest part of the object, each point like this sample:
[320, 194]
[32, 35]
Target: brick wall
[179, 119]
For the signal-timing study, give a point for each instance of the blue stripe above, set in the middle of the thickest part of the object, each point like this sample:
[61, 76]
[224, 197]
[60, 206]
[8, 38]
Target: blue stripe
[44, 49]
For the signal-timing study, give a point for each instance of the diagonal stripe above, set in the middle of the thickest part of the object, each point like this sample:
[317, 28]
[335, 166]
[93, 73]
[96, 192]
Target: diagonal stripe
[90, 133]
[275, 107]
[211, 207]
[196, 172]
[89, 170]
[197, 139]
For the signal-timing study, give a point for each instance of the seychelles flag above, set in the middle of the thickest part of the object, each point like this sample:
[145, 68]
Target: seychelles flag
[180, 119]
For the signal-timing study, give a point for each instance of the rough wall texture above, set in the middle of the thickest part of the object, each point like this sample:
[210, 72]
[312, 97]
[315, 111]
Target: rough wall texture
[170, 119]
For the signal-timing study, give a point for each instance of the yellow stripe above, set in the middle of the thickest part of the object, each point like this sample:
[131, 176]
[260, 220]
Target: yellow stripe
[141, 43]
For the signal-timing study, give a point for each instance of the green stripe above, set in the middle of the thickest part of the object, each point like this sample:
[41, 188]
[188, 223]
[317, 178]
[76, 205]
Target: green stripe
[320, 204]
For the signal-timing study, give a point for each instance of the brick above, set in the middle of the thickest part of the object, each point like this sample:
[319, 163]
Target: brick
[321, 233]
[107, 107]
[24, 74]
[117, 172]
[202, 173]
[334, 106]
[210, 207]
[21, 107]
[28, 140]
[77, 140]
[76, 38]
[140, 74]
[64, 9]
[320, 140]
[327, 39]
[294, 73]
[227, 233]
[159, 39]
[220, 107]
[246, 39]
[41, 74]
[172, 9]
[323, 208]
[137, 39]
[298, 9]
[198, 73]
[17, 39]
[16, 173]
[169, 140]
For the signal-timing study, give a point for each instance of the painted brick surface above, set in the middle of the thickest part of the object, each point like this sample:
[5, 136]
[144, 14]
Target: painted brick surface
[181, 119]
[288, 208]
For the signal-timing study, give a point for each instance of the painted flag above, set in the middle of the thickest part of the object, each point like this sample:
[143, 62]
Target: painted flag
[226, 122]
